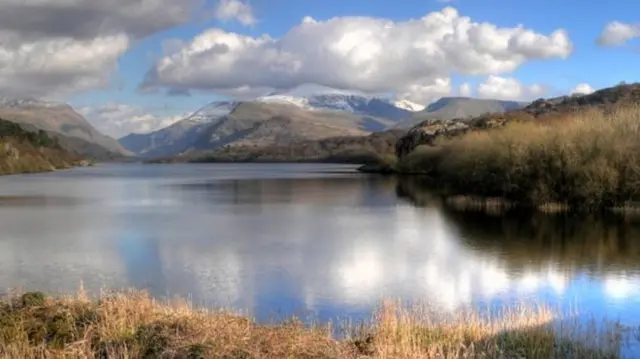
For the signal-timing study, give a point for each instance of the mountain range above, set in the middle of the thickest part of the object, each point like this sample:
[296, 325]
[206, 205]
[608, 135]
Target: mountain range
[279, 119]
[276, 121]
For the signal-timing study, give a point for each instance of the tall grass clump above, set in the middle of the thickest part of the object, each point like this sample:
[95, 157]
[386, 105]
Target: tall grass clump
[583, 161]
[134, 325]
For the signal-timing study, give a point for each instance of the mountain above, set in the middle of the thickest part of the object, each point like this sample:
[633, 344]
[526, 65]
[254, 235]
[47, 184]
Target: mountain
[178, 137]
[255, 123]
[356, 104]
[448, 108]
[212, 112]
[24, 151]
[63, 122]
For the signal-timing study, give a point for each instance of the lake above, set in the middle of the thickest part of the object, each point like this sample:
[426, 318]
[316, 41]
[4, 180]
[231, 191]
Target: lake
[317, 241]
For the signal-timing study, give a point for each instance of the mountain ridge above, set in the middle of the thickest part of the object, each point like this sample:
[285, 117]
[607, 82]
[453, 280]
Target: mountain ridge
[62, 121]
[449, 108]
[253, 123]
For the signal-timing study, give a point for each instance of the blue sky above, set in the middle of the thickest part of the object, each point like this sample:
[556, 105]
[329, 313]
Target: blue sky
[536, 68]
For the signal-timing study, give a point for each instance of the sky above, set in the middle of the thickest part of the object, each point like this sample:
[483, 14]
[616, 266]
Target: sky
[139, 65]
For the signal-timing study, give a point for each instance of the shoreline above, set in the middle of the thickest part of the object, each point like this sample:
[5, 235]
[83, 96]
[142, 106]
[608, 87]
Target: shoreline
[133, 324]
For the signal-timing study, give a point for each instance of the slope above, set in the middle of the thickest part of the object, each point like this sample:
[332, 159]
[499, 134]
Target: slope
[448, 108]
[61, 120]
[606, 99]
[24, 151]
[254, 123]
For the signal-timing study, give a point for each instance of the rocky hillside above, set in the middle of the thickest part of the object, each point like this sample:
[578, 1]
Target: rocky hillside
[251, 124]
[449, 108]
[63, 122]
[340, 149]
[426, 132]
[23, 151]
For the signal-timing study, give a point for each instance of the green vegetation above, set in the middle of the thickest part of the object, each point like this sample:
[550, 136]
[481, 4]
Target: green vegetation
[133, 325]
[23, 151]
[37, 138]
[587, 160]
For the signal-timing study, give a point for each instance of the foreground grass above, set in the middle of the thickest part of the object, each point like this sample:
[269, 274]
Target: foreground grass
[133, 325]
[581, 161]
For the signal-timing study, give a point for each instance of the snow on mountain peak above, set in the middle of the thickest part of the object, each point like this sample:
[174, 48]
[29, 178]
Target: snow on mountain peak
[301, 102]
[408, 105]
[212, 111]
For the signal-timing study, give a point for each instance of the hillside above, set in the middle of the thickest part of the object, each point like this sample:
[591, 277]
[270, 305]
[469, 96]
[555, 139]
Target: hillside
[426, 132]
[570, 153]
[339, 149]
[448, 108]
[250, 124]
[63, 122]
[23, 151]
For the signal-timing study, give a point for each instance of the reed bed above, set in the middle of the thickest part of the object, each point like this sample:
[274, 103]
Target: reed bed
[132, 324]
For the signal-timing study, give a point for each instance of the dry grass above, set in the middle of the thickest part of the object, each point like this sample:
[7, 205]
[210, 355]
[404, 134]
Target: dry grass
[133, 325]
[587, 160]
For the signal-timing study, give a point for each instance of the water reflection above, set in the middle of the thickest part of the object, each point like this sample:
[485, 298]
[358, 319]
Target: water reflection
[282, 239]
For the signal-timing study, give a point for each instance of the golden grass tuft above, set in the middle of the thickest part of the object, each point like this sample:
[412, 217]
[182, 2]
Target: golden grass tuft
[587, 160]
[134, 325]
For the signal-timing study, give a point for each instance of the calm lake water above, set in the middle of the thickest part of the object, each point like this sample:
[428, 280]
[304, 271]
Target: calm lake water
[310, 240]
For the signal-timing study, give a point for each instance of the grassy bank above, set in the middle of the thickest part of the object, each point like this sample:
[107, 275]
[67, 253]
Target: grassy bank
[133, 325]
[580, 161]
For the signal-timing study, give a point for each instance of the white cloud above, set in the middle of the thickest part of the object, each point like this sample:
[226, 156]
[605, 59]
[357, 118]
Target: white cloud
[582, 89]
[118, 120]
[617, 33]
[361, 53]
[508, 88]
[426, 92]
[465, 90]
[54, 47]
[235, 10]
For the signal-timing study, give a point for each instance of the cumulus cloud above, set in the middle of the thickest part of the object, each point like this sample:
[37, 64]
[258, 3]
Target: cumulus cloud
[235, 10]
[618, 33]
[52, 46]
[369, 54]
[582, 89]
[117, 120]
[508, 88]
[427, 91]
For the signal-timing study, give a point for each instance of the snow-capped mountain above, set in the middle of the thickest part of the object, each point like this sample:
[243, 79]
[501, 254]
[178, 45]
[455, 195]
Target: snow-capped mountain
[408, 105]
[301, 102]
[357, 104]
[212, 112]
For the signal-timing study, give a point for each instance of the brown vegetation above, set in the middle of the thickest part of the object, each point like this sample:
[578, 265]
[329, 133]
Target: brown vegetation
[133, 325]
[23, 151]
[343, 149]
[589, 161]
